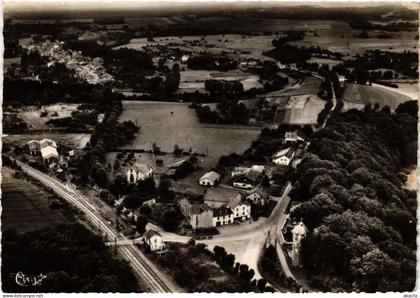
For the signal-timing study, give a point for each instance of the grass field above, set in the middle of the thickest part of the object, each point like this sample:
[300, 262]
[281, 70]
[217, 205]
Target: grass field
[356, 96]
[32, 115]
[24, 206]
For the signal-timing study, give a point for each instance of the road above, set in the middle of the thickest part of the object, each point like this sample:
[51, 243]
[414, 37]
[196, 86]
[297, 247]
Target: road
[154, 280]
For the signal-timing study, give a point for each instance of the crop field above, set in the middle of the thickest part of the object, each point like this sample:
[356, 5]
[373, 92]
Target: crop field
[25, 207]
[359, 95]
[303, 109]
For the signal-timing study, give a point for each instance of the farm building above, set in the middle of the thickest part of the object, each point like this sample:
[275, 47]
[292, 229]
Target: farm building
[291, 137]
[218, 197]
[139, 172]
[248, 180]
[257, 196]
[154, 240]
[49, 155]
[210, 179]
[284, 157]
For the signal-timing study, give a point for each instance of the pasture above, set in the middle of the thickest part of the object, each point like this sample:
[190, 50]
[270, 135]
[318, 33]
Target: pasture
[356, 96]
[24, 206]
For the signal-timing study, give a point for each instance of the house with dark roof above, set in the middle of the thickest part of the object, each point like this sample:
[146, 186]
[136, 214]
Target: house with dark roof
[218, 197]
[248, 180]
[258, 196]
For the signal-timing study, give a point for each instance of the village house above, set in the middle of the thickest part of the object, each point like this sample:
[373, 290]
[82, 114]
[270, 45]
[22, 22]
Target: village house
[218, 197]
[150, 202]
[47, 148]
[139, 172]
[199, 215]
[284, 157]
[342, 81]
[257, 196]
[241, 211]
[248, 180]
[154, 240]
[209, 179]
[222, 216]
[292, 137]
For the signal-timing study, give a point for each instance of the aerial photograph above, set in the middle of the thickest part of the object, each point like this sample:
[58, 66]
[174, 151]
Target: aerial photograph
[210, 147]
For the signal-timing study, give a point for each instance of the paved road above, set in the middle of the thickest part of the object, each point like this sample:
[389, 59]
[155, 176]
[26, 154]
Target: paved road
[156, 281]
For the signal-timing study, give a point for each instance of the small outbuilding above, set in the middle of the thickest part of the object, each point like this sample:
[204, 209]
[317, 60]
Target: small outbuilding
[209, 179]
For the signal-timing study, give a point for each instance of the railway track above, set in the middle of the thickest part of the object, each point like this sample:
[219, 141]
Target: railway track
[145, 270]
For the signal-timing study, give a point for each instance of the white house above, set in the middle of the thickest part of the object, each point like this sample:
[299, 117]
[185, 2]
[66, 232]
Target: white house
[154, 240]
[139, 172]
[49, 155]
[292, 137]
[342, 81]
[242, 211]
[209, 179]
[284, 157]
[299, 232]
[222, 216]
[184, 58]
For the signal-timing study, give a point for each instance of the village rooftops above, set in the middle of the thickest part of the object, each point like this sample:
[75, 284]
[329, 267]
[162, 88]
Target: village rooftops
[199, 208]
[220, 195]
[150, 233]
[49, 152]
[222, 211]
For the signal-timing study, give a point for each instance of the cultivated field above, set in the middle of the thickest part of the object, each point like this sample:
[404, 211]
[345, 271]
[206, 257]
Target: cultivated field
[356, 96]
[24, 206]
[303, 109]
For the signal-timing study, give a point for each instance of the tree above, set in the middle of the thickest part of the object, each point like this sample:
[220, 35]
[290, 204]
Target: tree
[141, 223]
[261, 284]
[363, 34]
[145, 210]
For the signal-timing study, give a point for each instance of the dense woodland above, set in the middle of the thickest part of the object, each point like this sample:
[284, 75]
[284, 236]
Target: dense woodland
[72, 258]
[354, 203]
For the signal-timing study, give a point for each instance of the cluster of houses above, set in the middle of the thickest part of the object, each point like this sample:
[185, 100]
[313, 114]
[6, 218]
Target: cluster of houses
[220, 207]
[139, 172]
[90, 70]
[46, 148]
[285, 156]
